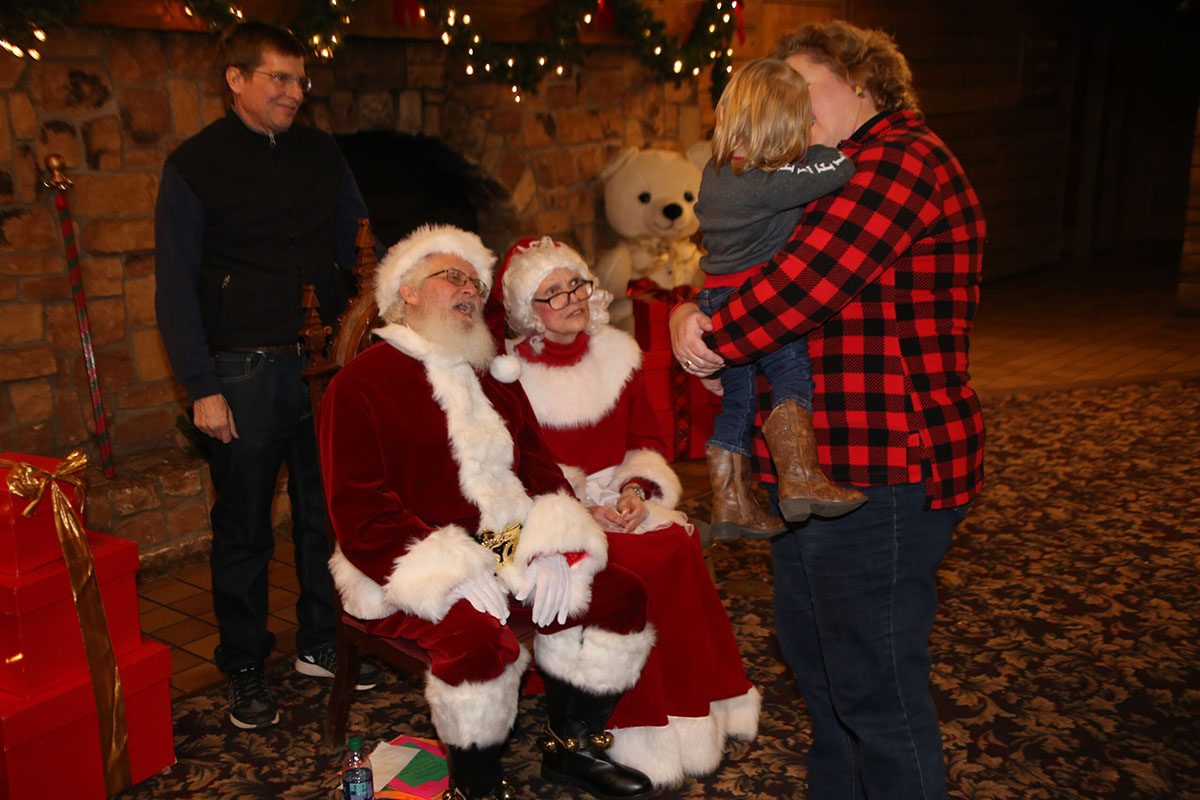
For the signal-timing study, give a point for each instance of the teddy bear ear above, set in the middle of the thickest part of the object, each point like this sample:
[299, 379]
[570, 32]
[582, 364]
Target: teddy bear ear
[616, 162]
[699, 153]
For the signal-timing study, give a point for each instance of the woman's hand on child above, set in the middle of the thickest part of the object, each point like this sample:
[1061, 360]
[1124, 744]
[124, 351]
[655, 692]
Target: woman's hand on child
[688, 326]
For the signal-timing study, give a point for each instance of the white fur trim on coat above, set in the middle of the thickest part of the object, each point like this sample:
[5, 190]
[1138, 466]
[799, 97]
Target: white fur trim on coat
[482, 446]
[584, 392]
[593, 659]
[687, 746]
[420, 581]
[558, 523]
[426, 241]
[476, 714]
[651, 466]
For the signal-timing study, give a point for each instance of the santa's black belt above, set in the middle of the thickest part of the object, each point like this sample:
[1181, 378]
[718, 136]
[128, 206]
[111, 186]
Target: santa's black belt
[502, 544]
[295, 348]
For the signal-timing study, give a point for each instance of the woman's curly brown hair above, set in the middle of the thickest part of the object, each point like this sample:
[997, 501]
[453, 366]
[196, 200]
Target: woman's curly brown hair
[867, 58]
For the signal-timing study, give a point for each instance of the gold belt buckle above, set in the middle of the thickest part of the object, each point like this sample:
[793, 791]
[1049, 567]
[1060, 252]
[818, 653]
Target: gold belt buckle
[502, 544]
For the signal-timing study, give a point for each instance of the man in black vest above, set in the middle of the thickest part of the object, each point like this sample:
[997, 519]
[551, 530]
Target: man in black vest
[249, 210]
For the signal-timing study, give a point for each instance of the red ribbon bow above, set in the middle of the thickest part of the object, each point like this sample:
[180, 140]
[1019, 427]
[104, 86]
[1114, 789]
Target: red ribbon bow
[646, 289]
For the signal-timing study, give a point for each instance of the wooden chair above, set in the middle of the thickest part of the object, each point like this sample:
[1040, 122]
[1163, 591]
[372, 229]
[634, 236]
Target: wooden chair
[327, 351]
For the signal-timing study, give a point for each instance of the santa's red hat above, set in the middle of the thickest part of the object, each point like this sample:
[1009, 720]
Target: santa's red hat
[425, 241]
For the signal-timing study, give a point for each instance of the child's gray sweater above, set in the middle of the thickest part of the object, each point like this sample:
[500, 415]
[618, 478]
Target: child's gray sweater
[748, 218]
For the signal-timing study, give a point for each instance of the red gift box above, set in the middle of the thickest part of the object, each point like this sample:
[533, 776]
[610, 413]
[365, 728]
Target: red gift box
[40, 640]
[650, 323]
[685, 414]
[50, 743]
[27, 543]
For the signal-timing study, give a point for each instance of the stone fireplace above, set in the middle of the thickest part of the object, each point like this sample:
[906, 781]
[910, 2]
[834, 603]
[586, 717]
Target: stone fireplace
[114, 103]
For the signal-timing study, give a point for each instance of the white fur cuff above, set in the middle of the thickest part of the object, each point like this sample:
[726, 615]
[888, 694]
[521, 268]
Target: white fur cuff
[421, 582]
[651, 466]
[558, 523]
[593, 659]
[476, 714]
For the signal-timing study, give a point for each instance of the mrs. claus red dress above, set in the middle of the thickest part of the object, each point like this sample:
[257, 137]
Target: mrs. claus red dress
[591, 401]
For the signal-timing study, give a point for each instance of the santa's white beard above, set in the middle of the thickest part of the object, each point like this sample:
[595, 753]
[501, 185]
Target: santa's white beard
[446, 332]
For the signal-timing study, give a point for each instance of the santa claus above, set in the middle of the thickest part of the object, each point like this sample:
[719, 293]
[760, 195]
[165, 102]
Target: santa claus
[453, 518]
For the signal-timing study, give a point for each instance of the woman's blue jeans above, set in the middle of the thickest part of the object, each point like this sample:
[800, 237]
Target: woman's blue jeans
[855, 601]
[271, 409]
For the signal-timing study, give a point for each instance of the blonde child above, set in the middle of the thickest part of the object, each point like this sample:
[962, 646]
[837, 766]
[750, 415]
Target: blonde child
[761, 176]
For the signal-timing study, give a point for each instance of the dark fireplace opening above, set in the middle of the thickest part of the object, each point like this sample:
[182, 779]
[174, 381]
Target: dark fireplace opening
[409, 180]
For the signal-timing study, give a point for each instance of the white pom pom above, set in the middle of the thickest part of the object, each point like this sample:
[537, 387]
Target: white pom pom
[505, 369]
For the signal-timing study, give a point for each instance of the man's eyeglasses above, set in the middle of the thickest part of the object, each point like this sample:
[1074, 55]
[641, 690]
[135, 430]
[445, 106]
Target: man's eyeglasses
[560, 300]
[283, 80]
[460, 279]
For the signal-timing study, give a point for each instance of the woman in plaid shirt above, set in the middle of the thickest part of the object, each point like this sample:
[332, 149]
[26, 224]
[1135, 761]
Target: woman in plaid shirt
[882, 277]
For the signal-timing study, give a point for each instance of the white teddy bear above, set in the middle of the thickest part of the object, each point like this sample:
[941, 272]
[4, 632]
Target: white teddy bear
[649, 197]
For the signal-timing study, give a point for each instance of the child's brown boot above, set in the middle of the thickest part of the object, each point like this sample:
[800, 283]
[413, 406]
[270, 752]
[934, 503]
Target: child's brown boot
[736, 514]
[803, 488]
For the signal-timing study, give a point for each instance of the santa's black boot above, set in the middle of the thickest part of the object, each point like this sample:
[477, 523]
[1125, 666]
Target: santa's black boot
[475, 775]
[573, 749]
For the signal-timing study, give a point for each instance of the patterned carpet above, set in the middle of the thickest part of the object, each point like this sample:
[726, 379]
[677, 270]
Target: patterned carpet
[1065, 656]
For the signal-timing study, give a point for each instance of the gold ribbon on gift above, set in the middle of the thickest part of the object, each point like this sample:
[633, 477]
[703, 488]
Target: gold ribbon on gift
[30, 482]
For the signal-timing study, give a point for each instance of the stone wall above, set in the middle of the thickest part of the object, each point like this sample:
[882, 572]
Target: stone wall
[114, 103]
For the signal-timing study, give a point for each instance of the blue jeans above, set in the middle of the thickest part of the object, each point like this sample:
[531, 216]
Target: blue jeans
[855, 601]
[787, 369]
[273, 415]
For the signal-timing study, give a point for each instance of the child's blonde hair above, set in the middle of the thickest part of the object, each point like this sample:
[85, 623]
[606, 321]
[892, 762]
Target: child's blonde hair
[765, 111]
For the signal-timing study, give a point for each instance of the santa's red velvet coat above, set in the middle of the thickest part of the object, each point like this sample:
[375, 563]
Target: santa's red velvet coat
[591, 401]
[419, 451]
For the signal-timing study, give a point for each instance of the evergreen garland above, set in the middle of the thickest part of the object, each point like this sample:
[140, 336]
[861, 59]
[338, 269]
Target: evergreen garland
[321, 25]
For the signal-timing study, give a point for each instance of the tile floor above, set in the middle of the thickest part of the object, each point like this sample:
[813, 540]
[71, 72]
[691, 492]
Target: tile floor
[1112, 323]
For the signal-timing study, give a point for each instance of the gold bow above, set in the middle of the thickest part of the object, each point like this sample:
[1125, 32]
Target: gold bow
[30, 482]
[502, 544]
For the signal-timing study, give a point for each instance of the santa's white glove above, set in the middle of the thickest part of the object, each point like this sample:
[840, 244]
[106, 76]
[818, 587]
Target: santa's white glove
[551, 577]
[485, 592]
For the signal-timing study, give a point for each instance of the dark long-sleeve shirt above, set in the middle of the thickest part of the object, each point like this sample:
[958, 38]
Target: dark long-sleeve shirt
[242, 221]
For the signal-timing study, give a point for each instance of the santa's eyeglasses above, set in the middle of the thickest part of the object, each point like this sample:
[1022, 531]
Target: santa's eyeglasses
[560, 300]
[460, 279]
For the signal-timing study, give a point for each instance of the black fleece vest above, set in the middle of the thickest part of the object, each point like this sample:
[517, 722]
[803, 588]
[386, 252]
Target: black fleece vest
[269, 218]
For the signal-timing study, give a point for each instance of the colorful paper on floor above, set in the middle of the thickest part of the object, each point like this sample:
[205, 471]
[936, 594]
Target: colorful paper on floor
[409, 768]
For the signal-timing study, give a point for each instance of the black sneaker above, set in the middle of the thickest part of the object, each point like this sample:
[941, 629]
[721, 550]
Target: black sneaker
[250, 703]
[322, 663]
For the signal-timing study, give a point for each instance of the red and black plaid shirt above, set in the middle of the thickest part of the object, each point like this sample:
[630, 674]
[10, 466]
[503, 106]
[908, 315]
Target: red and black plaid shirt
[883, 279]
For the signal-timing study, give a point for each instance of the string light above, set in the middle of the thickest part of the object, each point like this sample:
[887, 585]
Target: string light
[323, 25]
[34, 54]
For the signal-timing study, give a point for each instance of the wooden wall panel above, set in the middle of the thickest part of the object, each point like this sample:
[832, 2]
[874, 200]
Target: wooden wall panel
[996, 81]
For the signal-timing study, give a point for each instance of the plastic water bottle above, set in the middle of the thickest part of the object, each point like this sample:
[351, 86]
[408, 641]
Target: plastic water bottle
[357, 780]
